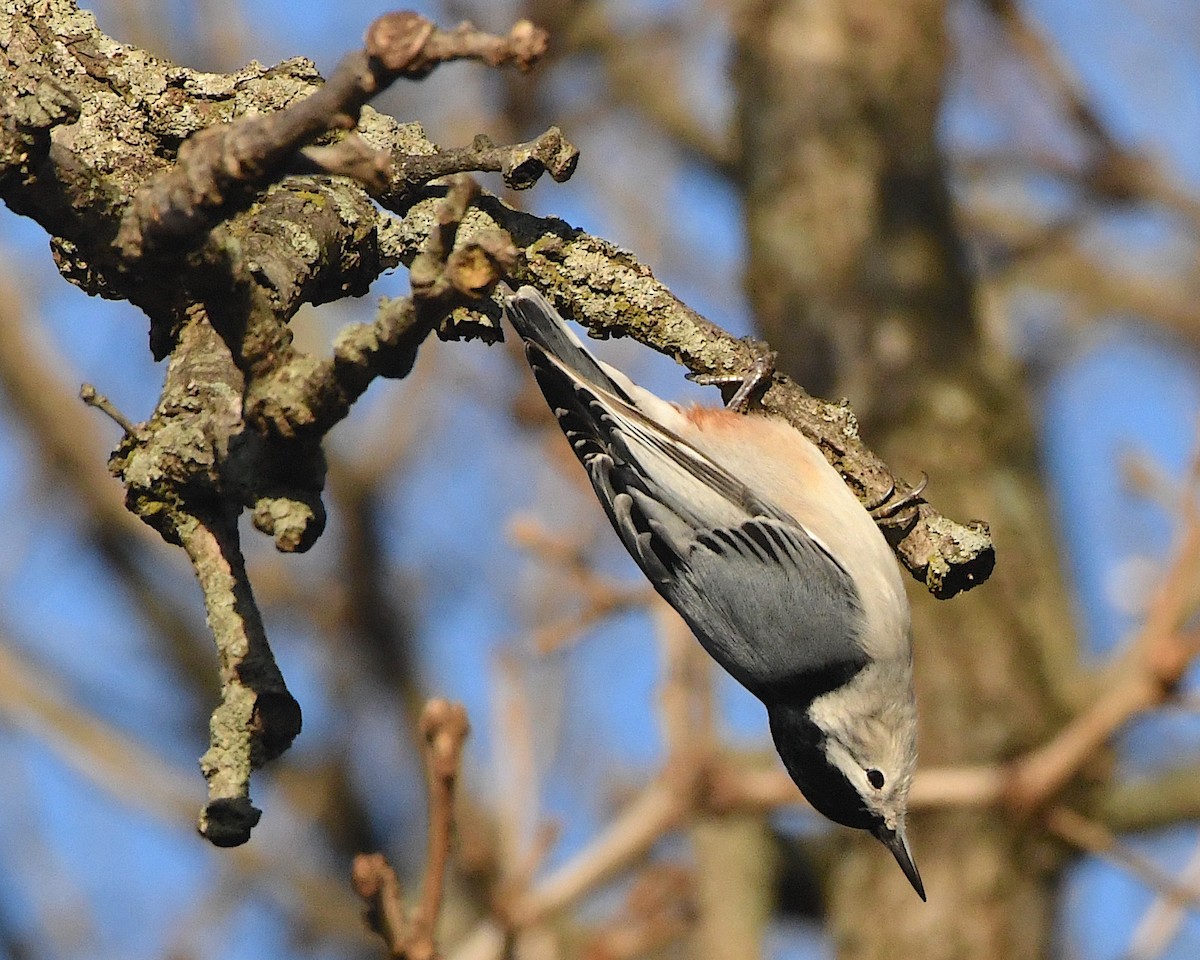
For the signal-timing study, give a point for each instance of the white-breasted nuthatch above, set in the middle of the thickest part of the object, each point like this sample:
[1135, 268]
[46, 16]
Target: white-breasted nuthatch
[746, 530]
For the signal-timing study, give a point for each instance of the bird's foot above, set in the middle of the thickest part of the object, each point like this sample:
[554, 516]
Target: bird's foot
[751, 385]
[889, 504]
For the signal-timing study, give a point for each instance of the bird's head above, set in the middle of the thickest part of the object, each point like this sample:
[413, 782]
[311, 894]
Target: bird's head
[852, 752]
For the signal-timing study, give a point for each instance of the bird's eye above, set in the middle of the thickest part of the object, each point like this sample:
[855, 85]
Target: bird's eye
[875, 778]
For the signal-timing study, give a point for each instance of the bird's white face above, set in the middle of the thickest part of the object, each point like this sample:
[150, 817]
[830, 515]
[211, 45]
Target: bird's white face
[871, 738]
[880, 771]
[853, 751]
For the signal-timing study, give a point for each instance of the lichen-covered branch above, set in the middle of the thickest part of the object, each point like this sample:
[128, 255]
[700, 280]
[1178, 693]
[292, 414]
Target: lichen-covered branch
[611, 293]
[257, 718]
[187, 472]
[521, 164]
[220, 312]
[221, 168]
[306, 397]
[598, 284]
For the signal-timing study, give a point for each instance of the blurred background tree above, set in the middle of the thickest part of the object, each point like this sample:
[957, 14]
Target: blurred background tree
[977, 221]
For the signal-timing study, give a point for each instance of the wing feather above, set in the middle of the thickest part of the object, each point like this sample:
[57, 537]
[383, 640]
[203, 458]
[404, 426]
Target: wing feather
[760, 592]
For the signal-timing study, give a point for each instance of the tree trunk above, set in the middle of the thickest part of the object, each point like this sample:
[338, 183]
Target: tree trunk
[857, 278]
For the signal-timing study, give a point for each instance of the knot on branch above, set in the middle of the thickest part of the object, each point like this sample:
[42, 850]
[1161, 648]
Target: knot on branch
[395, 41]
[31, 105]
[957, 556]
[523, 164]
[295, 522]
[449, 282]
[32, 102]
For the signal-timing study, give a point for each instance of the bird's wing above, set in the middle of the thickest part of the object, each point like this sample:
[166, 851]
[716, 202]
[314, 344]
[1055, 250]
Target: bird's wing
[764, 596]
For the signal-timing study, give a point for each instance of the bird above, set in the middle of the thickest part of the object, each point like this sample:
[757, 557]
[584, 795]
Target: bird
[741, 524]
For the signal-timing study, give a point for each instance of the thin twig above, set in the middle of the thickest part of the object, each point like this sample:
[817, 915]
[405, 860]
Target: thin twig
[444, 728]
[89, 395]
[602, 597]
[657, 809]
[376, 883]
[516, 772]
[1156, 663]
[1097, 839]
[521, 164]
[1161, 922]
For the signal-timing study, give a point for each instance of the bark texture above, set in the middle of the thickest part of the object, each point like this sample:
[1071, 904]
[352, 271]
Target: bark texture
[857, 277]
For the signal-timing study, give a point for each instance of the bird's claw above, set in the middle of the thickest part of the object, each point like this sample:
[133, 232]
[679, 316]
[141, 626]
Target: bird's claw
[752, 385]
[886, 506]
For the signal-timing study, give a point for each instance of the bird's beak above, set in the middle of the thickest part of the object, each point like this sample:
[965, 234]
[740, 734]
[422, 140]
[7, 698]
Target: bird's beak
[895, 841]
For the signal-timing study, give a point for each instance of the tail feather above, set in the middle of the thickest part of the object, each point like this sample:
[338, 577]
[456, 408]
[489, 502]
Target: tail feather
[539, 324]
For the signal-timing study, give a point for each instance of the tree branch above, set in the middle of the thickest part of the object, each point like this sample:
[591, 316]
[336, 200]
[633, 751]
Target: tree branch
[610, 292]
[1096, 839]
[521, 164]
[603, 287]
[257, 718]
[444, 728]
[222, 168]
[186, 475]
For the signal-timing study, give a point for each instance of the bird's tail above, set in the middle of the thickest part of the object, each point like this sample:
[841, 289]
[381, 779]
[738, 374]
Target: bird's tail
[541, 326]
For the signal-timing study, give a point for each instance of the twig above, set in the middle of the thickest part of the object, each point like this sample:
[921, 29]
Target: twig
[447, 273]
[350, 157]
[444, 728]
[660, 807]
[306, 397]
[601, 596]
[376, 882]
[1156, 662]
[1096, 839]
[88, 394]
[521, 164]
[516, 774]
[1161, 922]
[1117, 172]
